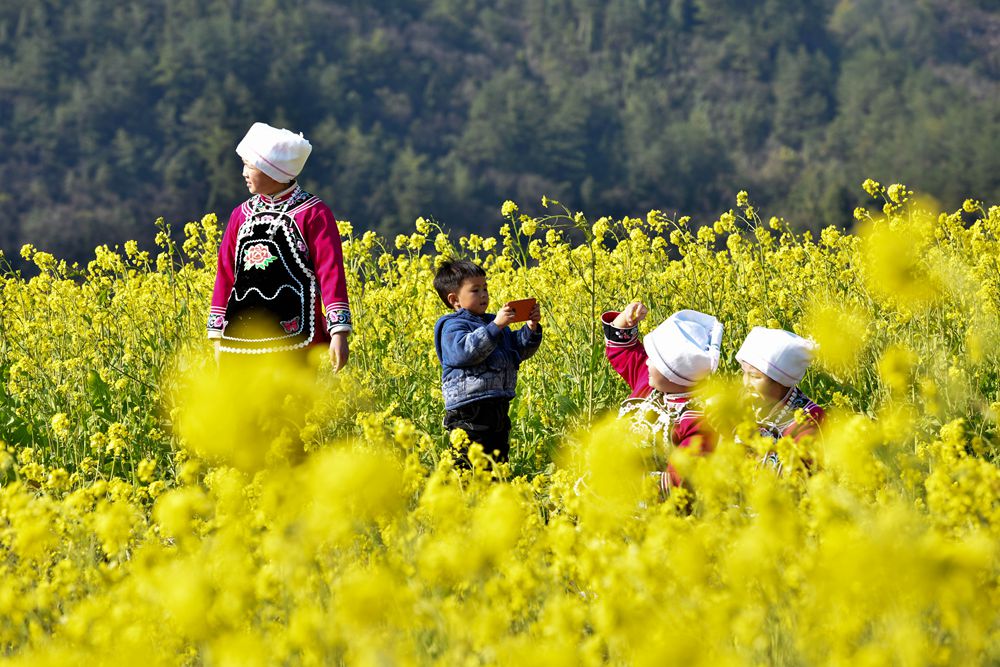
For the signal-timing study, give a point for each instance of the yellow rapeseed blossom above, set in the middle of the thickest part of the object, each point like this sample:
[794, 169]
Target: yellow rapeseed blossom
[155, 511]
[841, 333]
[60, 425]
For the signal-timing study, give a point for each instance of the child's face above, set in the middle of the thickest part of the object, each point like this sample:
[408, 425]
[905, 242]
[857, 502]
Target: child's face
[259, 183]
[472, 295]
[761, 388]
[659, 381]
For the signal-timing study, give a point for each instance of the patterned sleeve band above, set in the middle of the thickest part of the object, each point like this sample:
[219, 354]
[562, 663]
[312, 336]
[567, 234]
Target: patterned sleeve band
[615, 337]
[216, 322]
[338, 318]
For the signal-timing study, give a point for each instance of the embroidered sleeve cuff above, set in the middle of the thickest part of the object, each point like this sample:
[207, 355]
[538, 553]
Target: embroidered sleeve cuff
[216, 324]
[337, 320]
[615, 337]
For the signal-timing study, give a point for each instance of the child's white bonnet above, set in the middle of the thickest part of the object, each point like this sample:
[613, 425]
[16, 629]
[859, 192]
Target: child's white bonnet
[685, 347]
[778, 354]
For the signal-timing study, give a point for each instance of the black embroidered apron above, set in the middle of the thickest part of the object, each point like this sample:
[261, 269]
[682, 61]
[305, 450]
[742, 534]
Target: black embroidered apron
[272, 306]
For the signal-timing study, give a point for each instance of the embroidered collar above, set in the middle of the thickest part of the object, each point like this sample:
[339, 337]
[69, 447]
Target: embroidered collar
[279, 197]
[282, 202]
[781, 413]
[655, 413]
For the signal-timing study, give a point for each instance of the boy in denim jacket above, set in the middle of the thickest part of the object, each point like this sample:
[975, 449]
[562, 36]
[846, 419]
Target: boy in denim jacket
[479, 356]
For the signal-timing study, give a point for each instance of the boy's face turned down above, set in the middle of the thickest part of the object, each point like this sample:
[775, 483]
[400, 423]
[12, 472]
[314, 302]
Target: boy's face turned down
[472, 295]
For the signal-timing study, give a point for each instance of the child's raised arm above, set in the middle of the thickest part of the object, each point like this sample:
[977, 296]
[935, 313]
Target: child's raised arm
[622, 347]
[631, 315]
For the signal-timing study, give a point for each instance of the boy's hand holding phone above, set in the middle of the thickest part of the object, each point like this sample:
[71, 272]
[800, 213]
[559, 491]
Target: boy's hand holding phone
[521, 310]
[505, 316]
[534, 317]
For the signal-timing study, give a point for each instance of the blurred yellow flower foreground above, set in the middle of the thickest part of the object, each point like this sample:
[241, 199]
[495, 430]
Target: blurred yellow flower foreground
[152, 512]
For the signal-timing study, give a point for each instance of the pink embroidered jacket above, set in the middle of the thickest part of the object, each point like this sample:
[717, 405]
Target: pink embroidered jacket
[321, 254]
[785, 426]
[628, 357]
[781, 423]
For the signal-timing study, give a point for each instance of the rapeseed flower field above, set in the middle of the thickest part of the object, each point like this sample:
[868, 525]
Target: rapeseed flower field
[150, 513]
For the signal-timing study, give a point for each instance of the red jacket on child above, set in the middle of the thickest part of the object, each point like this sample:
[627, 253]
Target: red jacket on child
[653, 411]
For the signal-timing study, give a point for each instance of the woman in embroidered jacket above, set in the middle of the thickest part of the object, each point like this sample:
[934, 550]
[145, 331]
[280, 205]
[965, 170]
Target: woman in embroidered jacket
[661, 373]
[281, 284]
[774, 362]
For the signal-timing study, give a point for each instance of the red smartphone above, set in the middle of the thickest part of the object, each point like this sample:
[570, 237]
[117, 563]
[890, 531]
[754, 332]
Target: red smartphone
[522, 309]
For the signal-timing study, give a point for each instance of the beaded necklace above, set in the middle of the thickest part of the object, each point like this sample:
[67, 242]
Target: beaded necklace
[780, 415]
[654, 414]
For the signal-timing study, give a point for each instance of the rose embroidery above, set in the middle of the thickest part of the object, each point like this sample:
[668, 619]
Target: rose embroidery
[257, 257]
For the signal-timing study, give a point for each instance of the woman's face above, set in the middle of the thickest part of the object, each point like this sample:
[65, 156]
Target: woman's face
[259, 183]
[762, 389]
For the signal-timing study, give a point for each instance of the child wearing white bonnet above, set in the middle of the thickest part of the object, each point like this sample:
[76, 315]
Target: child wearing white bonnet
[774, 361]
[662, 371]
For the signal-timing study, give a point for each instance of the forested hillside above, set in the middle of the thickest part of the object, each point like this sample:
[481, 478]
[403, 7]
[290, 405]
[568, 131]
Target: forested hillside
[112, 114]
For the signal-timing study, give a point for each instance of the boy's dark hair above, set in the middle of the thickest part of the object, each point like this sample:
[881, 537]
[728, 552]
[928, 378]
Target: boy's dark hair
[450, 275]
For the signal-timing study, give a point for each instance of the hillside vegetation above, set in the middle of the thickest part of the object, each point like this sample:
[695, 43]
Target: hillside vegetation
[112, 115]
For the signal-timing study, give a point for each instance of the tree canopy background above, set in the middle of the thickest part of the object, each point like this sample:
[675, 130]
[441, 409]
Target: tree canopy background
[113, 114]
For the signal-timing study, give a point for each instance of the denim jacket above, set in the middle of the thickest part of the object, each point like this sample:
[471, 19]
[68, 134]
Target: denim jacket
[479, 360]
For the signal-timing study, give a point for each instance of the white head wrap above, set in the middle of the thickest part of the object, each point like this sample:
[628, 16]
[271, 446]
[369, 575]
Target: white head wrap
[778, 354]
[280, 154]
[685, 348]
